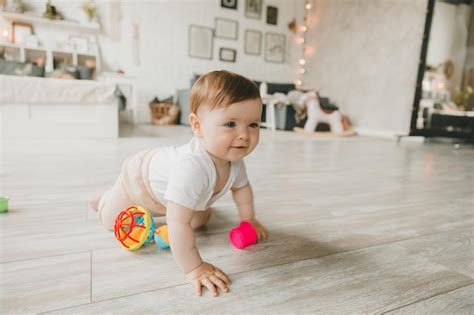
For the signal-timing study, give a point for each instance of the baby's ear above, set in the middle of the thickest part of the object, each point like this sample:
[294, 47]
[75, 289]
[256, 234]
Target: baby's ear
[195, 124]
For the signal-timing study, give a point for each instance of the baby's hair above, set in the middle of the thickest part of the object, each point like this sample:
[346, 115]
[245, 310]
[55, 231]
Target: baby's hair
[221, 89]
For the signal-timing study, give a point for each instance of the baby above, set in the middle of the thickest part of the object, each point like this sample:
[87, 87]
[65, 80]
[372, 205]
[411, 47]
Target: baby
[182, 182]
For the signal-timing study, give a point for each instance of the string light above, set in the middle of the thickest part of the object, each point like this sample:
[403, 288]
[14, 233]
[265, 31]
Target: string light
[302, 41]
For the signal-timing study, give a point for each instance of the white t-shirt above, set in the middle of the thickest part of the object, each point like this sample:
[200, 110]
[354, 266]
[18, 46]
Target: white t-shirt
[187, 176]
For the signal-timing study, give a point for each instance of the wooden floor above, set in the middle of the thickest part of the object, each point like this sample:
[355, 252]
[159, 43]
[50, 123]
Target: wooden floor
[357, 225]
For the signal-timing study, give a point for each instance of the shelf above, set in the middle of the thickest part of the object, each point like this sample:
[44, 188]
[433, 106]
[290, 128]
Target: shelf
[29, 18]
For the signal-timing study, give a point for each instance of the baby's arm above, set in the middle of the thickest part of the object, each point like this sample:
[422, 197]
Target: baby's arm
[183, 246]
[243, 198]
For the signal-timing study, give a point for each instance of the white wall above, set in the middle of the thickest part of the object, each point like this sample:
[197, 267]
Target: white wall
[448, 38]
[365, 57]
[164, 64]
[364, 52]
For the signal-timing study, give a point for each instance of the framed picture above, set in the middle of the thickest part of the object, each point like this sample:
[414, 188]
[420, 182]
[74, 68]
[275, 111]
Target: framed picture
[227, 54]
[20, 31]
[79, 43]
[200, 42]
[253, 42]
[226, 28]
[275, 45]
[272, 15]
[32, 41]
[228, 4]
[253, 9]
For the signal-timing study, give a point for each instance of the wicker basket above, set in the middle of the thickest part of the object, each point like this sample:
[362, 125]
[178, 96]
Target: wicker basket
[164, 113]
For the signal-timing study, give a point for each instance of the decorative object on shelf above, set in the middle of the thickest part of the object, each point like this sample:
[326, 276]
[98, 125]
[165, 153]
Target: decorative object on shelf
[461, 96]
[229, 4]
[115, 18]
[272, 15]
[200, 41]
[227, 54]
[51, 12]
[226, 28]
[5, 37]
[164, 113]
[90, 9]
[14, 6]
[302, 41]
[21, 31]
[253, 42]
[253, 9]
[292, 26]
[275, 45]
[80, 43]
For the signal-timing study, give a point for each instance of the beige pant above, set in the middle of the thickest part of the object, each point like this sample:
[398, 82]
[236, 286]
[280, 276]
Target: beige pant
[132, 188]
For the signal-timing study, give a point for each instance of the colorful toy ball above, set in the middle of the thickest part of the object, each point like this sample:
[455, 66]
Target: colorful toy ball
[133, 226]
[161, 237]
[243, 235]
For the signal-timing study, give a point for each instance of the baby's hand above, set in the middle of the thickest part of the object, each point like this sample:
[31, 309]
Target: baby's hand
[210, 277]
[260, 229]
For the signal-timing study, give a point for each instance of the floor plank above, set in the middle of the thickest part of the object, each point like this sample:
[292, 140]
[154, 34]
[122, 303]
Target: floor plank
[459, 302]
[454, 250]
[365, 281]
[44, 284]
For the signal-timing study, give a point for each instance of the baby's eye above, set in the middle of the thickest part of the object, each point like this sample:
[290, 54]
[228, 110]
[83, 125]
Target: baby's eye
[254, 125]
[230, 124]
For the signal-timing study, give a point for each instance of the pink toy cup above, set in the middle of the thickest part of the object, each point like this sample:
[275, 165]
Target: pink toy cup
[243, 235]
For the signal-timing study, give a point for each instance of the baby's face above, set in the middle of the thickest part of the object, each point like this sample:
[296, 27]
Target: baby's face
[231, 133]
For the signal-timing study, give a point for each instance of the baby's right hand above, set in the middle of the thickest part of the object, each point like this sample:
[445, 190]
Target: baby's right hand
[210, 277]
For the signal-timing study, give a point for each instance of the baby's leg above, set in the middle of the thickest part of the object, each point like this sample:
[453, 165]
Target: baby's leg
[200, 218]
[112, 203]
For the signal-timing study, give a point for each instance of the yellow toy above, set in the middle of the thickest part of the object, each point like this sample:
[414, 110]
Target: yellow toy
[134, 227]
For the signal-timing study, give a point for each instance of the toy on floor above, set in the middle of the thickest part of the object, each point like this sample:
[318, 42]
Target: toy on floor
[3, 204]
[243, 235]
[134, 227]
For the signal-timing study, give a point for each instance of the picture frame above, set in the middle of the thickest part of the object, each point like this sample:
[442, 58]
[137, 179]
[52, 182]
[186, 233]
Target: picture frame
[79, 43]
[20, 32]
[275, 47]
[201, 42]
[272, 15]
[226, 28]
[227, 54]
[253, 42]
[253, 9]
[32, 41]
[229, 4]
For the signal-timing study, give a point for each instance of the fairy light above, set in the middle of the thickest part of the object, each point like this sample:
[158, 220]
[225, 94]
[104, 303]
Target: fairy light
[302, 41]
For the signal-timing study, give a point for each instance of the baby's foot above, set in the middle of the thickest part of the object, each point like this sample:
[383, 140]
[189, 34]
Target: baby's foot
[94, 202]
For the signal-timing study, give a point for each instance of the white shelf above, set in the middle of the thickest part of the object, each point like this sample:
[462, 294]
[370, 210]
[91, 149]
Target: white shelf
[29, 18]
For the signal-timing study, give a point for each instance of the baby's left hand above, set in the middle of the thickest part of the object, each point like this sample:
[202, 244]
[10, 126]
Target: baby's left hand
[260, 229]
